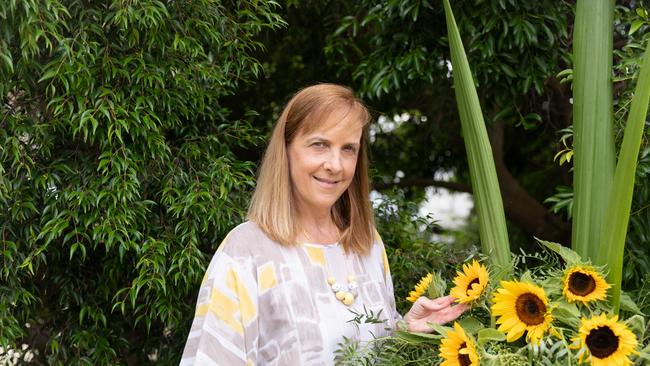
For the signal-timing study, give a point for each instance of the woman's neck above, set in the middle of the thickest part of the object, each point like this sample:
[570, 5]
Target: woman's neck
[318, 227]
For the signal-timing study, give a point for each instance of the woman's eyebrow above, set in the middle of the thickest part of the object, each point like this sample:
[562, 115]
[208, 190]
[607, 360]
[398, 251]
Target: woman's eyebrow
[317, 138]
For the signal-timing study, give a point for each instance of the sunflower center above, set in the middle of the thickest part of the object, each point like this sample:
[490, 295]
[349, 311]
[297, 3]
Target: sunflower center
[581, 284]
[463, 359]
[530, 309]
[602, 342]
[469, 287]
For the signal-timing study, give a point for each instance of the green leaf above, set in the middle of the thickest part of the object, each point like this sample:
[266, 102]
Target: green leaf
[636, 323]
[534, 116]
[635, 26]
[645, 354]
[438, 286]
[491, 361]
[48, 75]
[6, 57]
[471, 325]
[527, 277]
[617, 216]
[568, 255]
[503, 113]
[593, 139]
[629, 305]
[440, 329]
[73, 249]
[508, 70]
[485, 185]
[566, 313]
[418, 337]
[490, 335]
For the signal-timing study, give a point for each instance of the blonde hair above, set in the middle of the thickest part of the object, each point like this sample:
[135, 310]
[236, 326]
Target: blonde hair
[273, 207]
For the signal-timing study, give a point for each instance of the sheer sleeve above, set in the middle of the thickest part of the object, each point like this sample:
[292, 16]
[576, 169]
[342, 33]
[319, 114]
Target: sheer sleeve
[225, 327]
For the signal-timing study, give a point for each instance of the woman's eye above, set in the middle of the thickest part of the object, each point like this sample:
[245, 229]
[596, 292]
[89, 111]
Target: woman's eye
[351, 149]
[318, 145]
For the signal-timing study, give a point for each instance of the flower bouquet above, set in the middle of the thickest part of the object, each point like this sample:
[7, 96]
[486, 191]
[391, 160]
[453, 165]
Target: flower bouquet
[550, 315]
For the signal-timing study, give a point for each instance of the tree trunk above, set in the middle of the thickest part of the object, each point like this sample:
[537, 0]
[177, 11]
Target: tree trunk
[521, 208]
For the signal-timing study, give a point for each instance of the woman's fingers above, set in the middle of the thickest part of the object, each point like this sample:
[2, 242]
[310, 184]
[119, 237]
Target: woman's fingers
[420, 322]
[447, 315]
[438, 311]
[453, 313]
[436, 304]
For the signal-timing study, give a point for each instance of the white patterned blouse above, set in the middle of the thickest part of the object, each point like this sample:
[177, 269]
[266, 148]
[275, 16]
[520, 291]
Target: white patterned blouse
[261, 303]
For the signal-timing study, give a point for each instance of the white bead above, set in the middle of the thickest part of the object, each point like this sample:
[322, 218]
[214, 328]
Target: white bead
[353, 285]
[336, 287]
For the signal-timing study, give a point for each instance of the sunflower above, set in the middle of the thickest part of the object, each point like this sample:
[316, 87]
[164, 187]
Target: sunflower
[457, 349]
[471, 283]
[521, 307]
[420, 288]
[583, 283]
[607, 341]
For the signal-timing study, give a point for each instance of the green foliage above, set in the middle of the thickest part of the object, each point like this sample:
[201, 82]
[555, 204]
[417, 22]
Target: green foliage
[631, 32]
[117, 168]
[403, 348]
[637, 253]
[510, 43]
[635, 26]
[409, 246]
[562, 200]
[387, 352]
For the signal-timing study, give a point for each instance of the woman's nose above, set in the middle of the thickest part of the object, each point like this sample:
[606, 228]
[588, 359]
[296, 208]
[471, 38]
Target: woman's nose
[333, 162]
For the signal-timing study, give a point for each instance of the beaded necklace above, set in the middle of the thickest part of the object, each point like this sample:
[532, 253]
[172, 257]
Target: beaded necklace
[344, 295]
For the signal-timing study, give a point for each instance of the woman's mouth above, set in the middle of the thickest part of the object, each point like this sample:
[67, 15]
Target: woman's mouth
[326, 182]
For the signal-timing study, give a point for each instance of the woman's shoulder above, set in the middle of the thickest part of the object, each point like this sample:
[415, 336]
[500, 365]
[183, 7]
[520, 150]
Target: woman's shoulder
[377, 242]
[244, 239]
[246, 230]
[378, 250]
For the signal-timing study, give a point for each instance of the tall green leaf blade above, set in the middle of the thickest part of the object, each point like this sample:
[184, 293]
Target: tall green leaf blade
[487, 197]
[594, 159]
[620, 200]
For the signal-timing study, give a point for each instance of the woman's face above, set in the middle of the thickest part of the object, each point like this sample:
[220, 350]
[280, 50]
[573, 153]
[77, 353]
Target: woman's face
[322, 162]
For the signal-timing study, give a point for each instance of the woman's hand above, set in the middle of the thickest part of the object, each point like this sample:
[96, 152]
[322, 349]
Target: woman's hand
[437, 311]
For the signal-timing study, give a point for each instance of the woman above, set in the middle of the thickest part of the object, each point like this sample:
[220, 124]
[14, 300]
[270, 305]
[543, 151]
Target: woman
[283, 287]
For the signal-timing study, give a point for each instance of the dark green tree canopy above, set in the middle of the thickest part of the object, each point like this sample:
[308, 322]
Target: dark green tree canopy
[117, 171]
